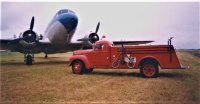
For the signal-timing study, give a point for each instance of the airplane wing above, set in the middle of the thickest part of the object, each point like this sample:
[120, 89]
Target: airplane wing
[9, 44]
[77, 46]
[131, 42]
[19, 45]
[5, 44]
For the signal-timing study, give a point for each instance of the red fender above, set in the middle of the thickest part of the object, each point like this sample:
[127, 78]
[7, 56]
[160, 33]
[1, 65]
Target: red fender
[146, 57]
[82, 58]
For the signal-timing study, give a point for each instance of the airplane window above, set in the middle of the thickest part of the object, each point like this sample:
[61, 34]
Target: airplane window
[71, 11]
[63, 11]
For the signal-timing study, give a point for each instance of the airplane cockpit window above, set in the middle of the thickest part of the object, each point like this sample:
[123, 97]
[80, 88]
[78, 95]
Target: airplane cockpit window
[63, 11]
[71, 11]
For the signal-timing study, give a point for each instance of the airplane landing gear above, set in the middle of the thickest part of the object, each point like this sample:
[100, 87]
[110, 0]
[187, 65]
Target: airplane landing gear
[45, 56]
[45, 52]
[29, 58]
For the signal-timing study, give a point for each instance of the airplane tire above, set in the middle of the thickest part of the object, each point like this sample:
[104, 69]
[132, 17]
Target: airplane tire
[78, 67]
[29, 60]
[149, 69]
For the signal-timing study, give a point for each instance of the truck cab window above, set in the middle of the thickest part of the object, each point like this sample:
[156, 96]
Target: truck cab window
[99, 46]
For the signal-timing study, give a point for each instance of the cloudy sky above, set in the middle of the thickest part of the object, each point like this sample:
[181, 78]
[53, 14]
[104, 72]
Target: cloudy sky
[119, 21]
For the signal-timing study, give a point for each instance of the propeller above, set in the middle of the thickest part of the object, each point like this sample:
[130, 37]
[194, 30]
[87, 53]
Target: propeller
[29, 35]
[97, 28]
[93, 37]
[32, 23]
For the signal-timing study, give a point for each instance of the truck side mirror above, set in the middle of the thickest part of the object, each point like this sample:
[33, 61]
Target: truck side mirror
[103, 37]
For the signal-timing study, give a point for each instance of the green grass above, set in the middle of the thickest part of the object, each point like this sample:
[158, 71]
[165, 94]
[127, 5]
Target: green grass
[51, 81]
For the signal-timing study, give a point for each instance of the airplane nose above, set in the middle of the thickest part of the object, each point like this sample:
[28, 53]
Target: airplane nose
[69, 20]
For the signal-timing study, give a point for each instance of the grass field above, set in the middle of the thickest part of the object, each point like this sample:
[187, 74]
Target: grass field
[51, 81]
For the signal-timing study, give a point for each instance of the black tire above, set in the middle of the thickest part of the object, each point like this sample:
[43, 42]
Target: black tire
[29, 60]
[149, 69]
[78, 67]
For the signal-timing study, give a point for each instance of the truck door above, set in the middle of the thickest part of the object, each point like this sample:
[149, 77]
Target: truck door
[101, 55]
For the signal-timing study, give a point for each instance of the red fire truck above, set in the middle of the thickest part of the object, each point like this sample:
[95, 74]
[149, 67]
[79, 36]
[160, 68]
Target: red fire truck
[123, 55]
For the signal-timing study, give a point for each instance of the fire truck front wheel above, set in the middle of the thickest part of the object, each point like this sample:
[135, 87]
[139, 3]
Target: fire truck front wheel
[78, 67]
[149, 69]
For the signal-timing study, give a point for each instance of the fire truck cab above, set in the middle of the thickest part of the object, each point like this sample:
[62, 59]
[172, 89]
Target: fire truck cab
[147, 58]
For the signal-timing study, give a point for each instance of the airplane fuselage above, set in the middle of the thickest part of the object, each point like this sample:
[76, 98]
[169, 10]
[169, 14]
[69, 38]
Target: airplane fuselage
[61, 28]
[56, 39]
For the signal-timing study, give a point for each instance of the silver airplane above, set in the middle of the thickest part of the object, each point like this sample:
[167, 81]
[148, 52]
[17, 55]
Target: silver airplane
[56, 39]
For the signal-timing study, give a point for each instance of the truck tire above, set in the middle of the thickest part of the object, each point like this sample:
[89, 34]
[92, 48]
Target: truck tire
[149, 69]
[78, 67]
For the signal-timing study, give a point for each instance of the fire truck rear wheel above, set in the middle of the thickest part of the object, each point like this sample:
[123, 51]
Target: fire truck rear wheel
[78, 67]
[149, 69]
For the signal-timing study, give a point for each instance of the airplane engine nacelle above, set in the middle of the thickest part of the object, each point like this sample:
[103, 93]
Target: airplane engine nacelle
[29, 36]
[89, 39]
[93, 37]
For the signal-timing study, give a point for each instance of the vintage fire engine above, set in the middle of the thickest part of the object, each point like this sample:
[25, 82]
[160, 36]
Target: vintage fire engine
[122, 55]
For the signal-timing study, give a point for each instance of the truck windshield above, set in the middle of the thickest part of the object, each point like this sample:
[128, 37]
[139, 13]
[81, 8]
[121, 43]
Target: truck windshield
[99, 46]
